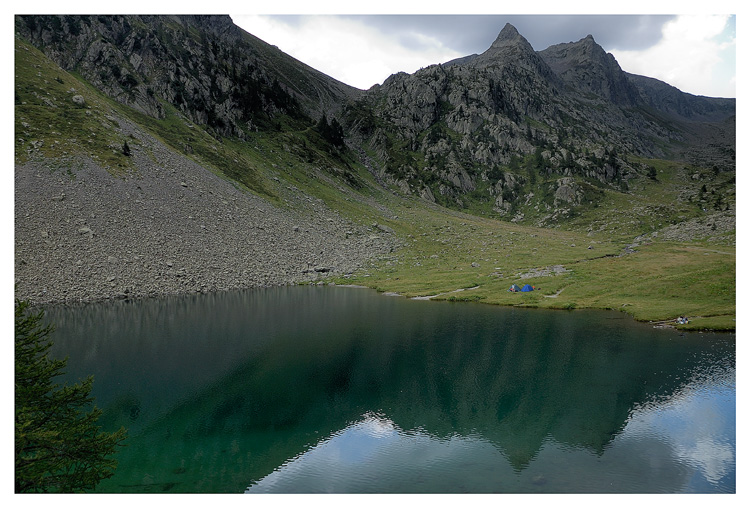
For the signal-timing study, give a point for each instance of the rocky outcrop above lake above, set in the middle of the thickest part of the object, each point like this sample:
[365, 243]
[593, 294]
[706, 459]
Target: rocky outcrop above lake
[448, 133]
[524, 136]
[569, 110]
[212, 71]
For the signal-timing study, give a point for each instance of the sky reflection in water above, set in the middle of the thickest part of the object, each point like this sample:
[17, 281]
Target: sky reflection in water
[344, 390]
[685, 446]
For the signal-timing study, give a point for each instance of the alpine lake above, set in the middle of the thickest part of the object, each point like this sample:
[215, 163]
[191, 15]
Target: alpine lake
[317, 389]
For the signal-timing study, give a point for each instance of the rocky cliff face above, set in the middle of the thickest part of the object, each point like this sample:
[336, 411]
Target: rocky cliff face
[511, 50]
[509, 127]
[585, 66]
[210, 70]
[449, 130]
[458, 129]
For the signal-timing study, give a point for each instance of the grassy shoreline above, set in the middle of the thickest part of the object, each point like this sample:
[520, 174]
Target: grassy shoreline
[458, 257]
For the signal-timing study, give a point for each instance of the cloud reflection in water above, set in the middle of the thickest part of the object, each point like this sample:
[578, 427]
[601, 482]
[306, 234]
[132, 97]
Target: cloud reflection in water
[684, 444]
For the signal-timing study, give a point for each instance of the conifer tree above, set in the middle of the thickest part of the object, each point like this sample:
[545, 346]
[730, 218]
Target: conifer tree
[59, 447]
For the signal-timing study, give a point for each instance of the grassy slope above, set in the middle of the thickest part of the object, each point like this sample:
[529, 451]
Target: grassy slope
[48, 123]
[444, 250]
[660, 281]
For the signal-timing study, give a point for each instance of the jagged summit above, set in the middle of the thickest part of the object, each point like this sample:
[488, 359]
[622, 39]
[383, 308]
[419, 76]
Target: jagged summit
[508, 33]
[509, 45]
[509, 40]
[581, 52]
[512, 50]
[585, 65]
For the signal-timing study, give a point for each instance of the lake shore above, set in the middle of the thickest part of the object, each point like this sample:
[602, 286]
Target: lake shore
[175, 228]
[155, 237]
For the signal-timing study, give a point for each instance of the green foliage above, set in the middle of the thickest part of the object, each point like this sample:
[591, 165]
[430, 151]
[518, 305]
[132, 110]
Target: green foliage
[531, 170]
[331, 132]
[361, 116]
[538, 159]
[465, 298]
[495, 173]
[256, 98]
[515, 163]
[59, 447]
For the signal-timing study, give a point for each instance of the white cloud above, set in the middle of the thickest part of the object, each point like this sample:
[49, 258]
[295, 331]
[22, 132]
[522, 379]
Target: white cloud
[716, 459]
[694, 55]
[346, 49]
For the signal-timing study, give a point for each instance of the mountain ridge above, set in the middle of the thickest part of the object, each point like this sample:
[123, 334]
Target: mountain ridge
[142, 60]
[491, 142]
[585, 65]
[510, 101]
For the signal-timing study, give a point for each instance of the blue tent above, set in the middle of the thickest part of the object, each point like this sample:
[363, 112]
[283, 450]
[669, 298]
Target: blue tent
[527, 288]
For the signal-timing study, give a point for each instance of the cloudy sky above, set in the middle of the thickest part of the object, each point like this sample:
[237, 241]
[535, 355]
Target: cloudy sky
[694, 52]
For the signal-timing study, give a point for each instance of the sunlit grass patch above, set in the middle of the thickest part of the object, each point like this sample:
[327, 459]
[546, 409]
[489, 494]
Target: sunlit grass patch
[714, 323]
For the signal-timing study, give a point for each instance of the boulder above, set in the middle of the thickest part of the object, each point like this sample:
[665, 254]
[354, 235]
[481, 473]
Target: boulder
[568, 192]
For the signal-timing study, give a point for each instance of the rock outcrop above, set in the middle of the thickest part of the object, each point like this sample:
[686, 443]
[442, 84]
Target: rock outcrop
[569, 110]
[212, 71]
[587, 67]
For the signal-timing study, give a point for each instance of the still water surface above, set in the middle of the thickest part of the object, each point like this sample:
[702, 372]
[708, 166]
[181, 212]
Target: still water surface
[321, 389]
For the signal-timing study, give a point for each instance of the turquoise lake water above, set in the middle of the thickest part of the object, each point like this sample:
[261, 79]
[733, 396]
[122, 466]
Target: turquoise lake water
[344, 390]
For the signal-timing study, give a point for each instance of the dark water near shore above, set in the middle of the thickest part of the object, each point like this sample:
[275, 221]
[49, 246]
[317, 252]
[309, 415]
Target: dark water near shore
[320, 389]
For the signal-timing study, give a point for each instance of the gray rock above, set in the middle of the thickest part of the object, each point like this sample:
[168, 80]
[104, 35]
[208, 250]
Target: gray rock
[385, 229]
[568, 192]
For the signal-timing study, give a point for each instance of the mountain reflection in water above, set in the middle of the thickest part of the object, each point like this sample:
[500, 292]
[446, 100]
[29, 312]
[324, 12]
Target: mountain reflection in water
[317, 389]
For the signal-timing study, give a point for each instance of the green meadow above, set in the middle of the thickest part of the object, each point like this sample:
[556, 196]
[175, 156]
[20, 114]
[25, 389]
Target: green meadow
[457, 257]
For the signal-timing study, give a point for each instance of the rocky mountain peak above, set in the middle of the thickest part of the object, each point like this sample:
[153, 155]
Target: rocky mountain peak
[586, 66]
[509, 40]
[508, 32]
[582, 53]
[512, 50]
